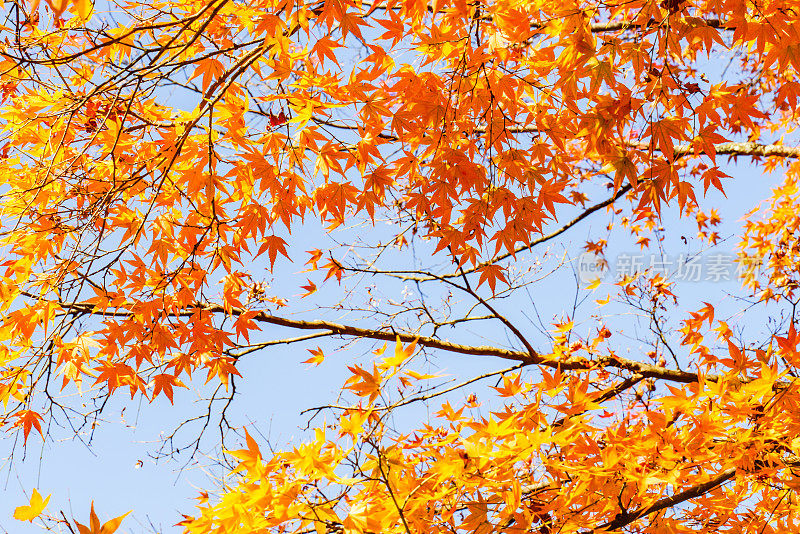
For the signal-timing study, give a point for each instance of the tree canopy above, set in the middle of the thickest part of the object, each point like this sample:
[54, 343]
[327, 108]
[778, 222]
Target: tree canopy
[382, 186]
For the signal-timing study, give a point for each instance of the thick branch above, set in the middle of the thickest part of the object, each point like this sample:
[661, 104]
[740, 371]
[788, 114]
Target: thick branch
[603, 27]
[627, 518]
[355, 331]
[735, 149]
[571, 363]
[646, 370]
[747, 149]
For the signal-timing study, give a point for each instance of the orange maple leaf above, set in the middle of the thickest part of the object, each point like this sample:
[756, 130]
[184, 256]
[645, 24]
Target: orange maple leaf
[28, 419]
[109, 527]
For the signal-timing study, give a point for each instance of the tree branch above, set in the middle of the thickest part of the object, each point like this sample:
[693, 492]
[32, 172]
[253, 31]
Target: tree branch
[533, 358]
[626, 518]
[602, 27]
[735, 149]
[646, 370]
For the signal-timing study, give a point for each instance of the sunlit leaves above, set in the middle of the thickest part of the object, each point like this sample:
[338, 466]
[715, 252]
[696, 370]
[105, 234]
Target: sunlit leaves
[769, 244]
[161, 165]
[249, 457]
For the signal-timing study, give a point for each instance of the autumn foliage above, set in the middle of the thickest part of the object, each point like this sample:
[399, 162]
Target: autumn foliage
[391, 188]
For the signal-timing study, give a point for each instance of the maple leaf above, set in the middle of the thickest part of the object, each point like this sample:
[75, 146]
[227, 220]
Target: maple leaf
[28, 420]
[164, 382]
[594, 284]
[419, 376]
[363, 383]
[310, 289]
[33, 509]
[324, 47]
[277, 120]
[222, 368]
[316, 255]
[209, 69]
[491, 273]
[317, 356]
[273, 245]
[401, 354]
[603, 302]
[334, 269]
[58, 6]
[85, 8]
[664, 132]
[109, 527]
[713, 177]
[564, 327]
[707, 313]
[245, 324]
[248, 457]
[511, 386]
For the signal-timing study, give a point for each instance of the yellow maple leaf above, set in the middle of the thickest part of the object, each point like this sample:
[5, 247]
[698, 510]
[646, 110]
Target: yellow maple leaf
[564, 327]
[603, 302]
[317, 356]
[33, 510]
[401, 354]
[594, 283]
[57, 6]
[84, 8]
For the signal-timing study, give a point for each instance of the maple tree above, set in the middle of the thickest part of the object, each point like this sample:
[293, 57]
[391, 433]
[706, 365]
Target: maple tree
[167, 167]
